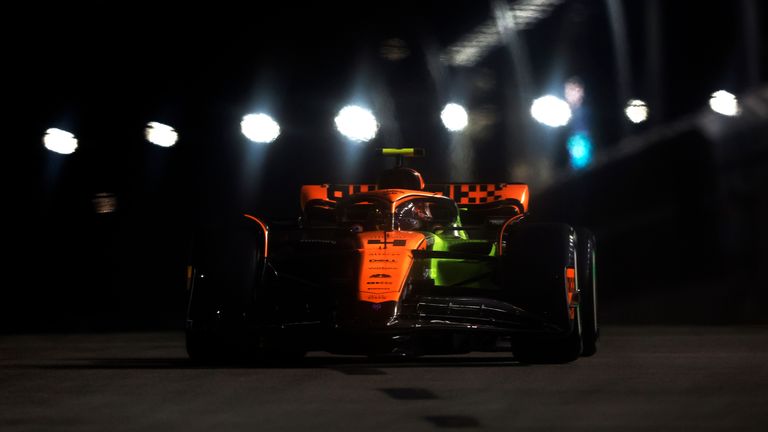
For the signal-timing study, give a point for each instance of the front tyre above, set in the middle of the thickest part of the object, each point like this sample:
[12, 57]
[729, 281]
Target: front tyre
[563, 349]
[586, 255]
[226, 263]
[540, 263]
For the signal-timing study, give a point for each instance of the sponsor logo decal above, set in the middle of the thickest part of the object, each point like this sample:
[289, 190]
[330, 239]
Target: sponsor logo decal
[400, 242]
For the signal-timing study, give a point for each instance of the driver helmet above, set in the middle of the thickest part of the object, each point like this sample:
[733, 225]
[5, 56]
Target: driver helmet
[415, 216]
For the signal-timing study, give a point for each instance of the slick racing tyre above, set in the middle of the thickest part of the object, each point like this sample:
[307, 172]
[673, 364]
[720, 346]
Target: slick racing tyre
[225, 271]
[536, 259]
[586, 273]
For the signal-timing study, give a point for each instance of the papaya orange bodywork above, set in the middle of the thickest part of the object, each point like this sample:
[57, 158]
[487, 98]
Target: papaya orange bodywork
[479, 193]
[570, 280]
[462, 193]
[385, 262]
[331, 192]
[264, 230]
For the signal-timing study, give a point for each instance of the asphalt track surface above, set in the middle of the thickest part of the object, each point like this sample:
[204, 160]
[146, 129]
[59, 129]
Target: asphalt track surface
[643, 379]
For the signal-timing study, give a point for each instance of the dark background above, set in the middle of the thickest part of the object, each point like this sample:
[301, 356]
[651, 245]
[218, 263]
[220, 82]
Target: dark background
[678, 204]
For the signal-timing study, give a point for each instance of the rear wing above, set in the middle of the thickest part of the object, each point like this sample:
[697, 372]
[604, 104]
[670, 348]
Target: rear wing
[466, 195]
[483, 204]
[328, 194]
[470, 194]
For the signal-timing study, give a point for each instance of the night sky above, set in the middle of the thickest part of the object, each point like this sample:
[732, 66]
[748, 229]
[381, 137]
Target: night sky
[105, 73]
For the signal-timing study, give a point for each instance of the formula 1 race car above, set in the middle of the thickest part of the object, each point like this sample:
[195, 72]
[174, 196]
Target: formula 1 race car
[399, 268]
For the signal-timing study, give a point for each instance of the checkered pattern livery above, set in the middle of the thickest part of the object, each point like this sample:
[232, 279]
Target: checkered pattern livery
[475, 193]
[331, 192]
[462, 193]
[339, 191]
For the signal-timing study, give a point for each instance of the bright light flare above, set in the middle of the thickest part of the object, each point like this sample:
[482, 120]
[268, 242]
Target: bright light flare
[454, 117]
[161, 134]
[636, 111]
[580, 149]
[551, 111]
[574, 92]
[724, 103]
[260, 128]
[356, 123]
[60, 141]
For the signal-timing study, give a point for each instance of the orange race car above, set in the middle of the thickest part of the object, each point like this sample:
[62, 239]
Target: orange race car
[396, 268]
